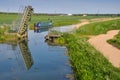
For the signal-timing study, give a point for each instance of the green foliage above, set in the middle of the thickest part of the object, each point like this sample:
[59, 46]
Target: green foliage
[2, 30]
[60, 41]
[115, 41]
[2, 38]
[87, 62]
[99, 27]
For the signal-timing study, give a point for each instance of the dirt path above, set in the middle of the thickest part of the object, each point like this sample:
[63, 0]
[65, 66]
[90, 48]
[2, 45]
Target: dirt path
[79, 25]
[86, 21]
[109, 51]
[99, 42]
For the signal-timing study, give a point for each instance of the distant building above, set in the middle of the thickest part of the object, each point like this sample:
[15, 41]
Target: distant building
[70, 14]
[84, 14]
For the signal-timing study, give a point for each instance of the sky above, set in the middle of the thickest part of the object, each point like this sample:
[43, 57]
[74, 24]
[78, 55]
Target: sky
[63, 6]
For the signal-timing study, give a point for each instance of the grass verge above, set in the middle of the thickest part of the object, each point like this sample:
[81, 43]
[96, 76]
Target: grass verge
[86, 61]
[99, 27]
[115, 41]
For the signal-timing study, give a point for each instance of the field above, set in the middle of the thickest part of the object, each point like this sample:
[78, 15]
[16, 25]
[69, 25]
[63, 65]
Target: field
[60, 20]
[7, 18]
[57, 20]
[99, 27]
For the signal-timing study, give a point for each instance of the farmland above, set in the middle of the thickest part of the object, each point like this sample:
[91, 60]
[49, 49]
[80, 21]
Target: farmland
[58, 20]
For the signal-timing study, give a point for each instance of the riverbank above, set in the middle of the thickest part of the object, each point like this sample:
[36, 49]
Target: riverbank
[8, 37]
[86, 61]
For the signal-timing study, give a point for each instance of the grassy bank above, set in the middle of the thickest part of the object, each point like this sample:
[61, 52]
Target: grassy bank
[115, 41]
[5, 36]
[86, 61]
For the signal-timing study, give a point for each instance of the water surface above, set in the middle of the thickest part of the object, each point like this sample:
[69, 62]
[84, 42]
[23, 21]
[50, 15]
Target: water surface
[33, 60]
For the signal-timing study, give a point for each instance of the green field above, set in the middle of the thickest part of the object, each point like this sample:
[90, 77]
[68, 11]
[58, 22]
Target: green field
[62, 20]
[7, 18]
[57, 20]
[99, 27]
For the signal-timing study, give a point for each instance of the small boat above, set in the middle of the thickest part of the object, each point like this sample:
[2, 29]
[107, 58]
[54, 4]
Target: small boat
[42, 25]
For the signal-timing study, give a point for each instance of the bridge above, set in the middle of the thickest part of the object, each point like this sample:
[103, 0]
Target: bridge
[26, 18]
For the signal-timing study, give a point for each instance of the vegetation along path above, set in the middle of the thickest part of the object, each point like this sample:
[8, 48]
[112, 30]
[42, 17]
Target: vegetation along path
[85, 21]
[100, 41]
[109, 51]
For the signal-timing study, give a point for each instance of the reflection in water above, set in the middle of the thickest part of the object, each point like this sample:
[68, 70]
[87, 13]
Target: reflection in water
[51, 43]
[41, 30]
[26, 53]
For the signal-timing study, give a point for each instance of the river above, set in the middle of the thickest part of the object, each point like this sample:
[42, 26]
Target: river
[33, 60]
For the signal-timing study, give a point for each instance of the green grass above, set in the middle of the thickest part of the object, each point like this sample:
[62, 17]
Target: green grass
[86, 61]
[57, 20]
[2, 36]
[7, 18]
[99, 27]
[62, 20]
[115, 41]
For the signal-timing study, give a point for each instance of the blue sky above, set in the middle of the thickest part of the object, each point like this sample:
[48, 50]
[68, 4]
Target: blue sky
[63, 6]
